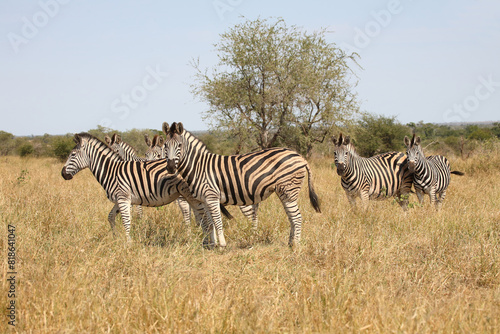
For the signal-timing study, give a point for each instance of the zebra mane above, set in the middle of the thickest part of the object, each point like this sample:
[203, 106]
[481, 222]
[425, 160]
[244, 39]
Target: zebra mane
[178, 128]
[90, 138]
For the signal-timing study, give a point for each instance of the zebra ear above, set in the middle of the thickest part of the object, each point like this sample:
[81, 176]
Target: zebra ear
[147, 140]
[118, 139]
[417, 141]
[180, 128]
[160, 141]
[347, 140]
[107, 140]
[114, 139]
[407, 141]
[165, 128]
[77, 139]
[334, 140]
[155, 141]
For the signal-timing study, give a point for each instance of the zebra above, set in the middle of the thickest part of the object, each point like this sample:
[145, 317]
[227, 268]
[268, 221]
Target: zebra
[379, 177]
[249, 211]
[155, 147]
[154, 152]
[145, 183]
[239, 179]
[126, 153]
[432, 173]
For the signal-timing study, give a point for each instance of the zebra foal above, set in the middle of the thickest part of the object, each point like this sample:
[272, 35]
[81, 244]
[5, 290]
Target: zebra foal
[238, 179]
[379, 177]
[127, 183]
[431, 174]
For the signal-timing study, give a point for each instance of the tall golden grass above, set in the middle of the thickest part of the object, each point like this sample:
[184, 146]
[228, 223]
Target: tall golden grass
[380, 270]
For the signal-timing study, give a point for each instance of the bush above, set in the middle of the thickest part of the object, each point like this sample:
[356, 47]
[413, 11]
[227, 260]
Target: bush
[25, 149]
[379, 134]
[62, 147]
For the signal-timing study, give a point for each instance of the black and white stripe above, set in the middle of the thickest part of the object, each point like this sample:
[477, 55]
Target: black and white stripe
[154, 152]
[432, 173]
[127, 183]
[378, 177]
[238, 179]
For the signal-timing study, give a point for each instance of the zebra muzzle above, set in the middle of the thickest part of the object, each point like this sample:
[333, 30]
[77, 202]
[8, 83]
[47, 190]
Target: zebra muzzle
[171, 166]
[411, 166]
[65, 175]
[340, 169]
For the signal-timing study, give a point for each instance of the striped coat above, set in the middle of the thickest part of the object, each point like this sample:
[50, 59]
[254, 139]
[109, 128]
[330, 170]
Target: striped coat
[239, 179]
[432, 173]
[379, 177]
[127, 183]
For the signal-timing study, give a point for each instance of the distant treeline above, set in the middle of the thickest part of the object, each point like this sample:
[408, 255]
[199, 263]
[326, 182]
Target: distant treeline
[371, 135]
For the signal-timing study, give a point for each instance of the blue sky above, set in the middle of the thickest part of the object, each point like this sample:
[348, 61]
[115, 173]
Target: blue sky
[68, 65]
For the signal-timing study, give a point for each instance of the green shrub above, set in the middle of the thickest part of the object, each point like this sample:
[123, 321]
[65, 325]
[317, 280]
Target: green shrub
[25, 149]
[62, 147]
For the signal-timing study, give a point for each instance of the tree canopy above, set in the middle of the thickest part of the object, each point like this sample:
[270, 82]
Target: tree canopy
[278, 84]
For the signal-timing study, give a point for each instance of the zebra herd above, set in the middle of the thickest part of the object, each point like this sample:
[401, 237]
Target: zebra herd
[182, 168]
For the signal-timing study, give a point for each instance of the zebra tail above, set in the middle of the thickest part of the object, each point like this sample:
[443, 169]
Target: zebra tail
[456, 172]
[226, 213]
[312, 194]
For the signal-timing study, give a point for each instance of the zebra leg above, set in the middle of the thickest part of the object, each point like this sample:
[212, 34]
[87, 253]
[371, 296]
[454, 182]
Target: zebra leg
[420, 195]
[185, 209]
[439, 199]
[124, 206]
[111, 217]
[250, 211]
[432, 195]
[204, 219]
[403, 200]
[365, 197]
[295, 219]
[352, 199]
[213, 207]
[139, 211]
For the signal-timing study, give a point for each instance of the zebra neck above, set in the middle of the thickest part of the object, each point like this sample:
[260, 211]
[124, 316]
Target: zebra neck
[195, 155]
[102, 159]
[128, 152]
[351, 166]
[421, 168]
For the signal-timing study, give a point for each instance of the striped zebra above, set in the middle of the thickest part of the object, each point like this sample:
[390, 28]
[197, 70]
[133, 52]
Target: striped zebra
[239, 179]
[154, 152]
[379, 177]
[155, 147]
[127, 183]
[126, 153]
[432, 173]
[249, 211]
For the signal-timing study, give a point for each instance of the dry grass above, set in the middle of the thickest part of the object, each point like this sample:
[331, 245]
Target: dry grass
[375, 271]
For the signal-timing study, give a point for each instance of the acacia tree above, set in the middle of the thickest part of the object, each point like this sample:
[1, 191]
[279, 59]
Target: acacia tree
[277, 84]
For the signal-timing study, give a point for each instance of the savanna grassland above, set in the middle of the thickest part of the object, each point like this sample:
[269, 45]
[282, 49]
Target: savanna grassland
[375, 271]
